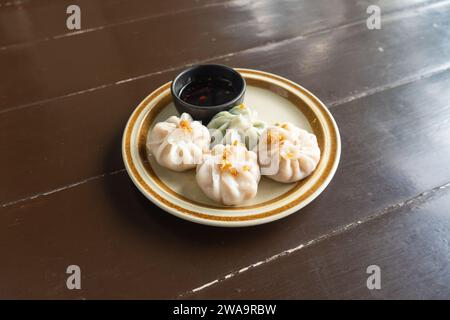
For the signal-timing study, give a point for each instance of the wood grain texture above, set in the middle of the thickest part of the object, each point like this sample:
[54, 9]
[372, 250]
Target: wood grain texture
[128, 248]
[28, 22]
[69, 140]
[90, 60]
[410, 244]
[66, 199]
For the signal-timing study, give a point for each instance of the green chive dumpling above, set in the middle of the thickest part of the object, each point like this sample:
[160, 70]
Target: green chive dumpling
[239, 123]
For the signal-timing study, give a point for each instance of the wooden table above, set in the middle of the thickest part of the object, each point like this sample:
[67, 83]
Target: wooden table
[65, 96]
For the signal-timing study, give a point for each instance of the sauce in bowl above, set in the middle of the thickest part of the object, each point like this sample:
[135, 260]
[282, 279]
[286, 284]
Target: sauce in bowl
[208, 91]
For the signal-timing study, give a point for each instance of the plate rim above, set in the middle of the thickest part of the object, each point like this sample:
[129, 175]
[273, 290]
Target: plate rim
[234, 221]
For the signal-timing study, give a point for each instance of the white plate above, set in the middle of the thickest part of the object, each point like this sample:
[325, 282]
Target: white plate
[275, 99]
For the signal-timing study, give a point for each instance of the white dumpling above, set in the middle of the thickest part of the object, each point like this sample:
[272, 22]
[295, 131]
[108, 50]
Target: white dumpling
[229, 174]
[287, 153]
[178, 143]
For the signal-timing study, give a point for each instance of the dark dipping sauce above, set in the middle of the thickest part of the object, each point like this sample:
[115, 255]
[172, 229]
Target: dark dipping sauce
[208, 92]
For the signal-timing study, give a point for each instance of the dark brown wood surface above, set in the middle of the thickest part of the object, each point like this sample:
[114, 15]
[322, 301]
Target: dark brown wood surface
[65, 198]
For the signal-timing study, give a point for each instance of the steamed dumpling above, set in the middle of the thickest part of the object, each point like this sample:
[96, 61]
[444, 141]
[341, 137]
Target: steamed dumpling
[178, 143]
[239, 123]
[287, 153]
[229, 174]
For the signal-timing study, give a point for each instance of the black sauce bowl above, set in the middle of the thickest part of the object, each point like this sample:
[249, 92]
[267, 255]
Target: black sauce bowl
[205, 113]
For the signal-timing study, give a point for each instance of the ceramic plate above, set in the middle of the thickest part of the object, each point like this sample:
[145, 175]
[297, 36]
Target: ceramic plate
[275, 99]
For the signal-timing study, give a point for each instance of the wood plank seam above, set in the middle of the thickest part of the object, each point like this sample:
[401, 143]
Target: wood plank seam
[391, 209]
[69, 186]
[395, 84]
[93, 29]
[402, 82]
[392, 16]
[175, 12]
[13, 3]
